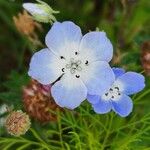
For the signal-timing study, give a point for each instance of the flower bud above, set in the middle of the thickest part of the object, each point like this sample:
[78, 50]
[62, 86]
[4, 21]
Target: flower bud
[17, 123]
[41, 11]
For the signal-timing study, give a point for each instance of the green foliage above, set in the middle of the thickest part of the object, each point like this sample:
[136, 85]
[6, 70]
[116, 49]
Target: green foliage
[13, 89]
[84, 130]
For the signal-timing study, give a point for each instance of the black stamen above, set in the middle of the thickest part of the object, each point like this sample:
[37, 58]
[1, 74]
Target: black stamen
[119, 94]
[106, 94]
[112, 97]
[62, 57]
[86, 62]
[63, 69]
[77, 76]
[111, 89]
[76, 53]
[117, 88]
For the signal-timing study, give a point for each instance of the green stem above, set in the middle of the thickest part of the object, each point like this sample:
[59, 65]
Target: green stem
[131, 124]
[60, 130]
[142, 95]
[40, 139]
[107, 132]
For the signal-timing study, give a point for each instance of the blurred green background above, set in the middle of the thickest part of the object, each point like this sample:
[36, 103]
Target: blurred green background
[127, 24]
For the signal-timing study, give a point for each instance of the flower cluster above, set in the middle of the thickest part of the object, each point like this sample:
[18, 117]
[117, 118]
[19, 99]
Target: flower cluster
[77, 67]
[38, 102]
[28, 27]
[17, 123]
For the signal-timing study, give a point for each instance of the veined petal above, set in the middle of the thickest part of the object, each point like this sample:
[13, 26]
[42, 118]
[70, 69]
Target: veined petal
[102, 106]
[69, 92]
[45, 67]
[98, 77]
[64, 38]
[96, 46]
[33, 9]
[118, 71]
[123, 106]
[93, 99]
[131, 82]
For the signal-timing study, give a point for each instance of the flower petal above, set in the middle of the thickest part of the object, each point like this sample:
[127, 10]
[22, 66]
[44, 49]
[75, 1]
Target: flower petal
[93, 99]
[98, 77]
[123, 106]
[102, 106]
[45, 67]
[33, 9]
[69, 92]
[131, 82]
[64, 38]
[118, 71]
[96, 46]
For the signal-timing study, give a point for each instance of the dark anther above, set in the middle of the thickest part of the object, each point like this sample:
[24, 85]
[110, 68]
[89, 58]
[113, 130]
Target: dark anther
[76, 53]
[63, 69]
[112, 97]
[86, 62]
[117, 88]
[111, 89]
[77, 76]
[119, 94]
[62, 57]
[106, 94]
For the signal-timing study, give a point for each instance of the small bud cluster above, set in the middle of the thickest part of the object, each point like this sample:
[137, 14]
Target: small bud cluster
[17, 123]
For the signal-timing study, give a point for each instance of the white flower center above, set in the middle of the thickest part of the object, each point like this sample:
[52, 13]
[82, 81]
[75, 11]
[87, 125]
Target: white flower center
[113, 93]
[74, 65]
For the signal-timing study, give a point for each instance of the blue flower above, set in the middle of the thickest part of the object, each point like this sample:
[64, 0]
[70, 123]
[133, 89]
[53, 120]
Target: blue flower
[74, 64]
[116, 97]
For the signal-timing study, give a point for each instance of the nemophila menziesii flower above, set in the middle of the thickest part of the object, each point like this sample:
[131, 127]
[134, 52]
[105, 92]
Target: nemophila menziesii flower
[116, 97]
[75, 64]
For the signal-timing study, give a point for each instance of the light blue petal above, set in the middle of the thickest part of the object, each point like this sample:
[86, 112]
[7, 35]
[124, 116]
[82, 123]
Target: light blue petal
[43, 67]
[69, 92]
[123, 106]
[98, 45]
[98, 77]
[102, 106]
[93, 99]
[132, 82]
[118, 71]
[64, 38]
